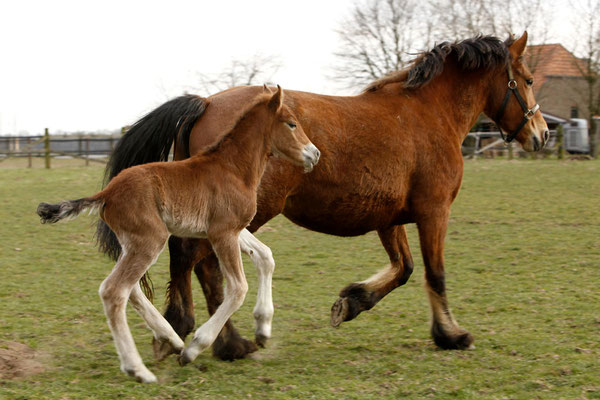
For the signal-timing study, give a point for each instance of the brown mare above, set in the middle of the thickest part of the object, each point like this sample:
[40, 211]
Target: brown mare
[390, 156]
[212, 196]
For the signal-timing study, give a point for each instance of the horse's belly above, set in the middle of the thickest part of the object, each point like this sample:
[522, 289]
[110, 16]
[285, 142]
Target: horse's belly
[347, 215]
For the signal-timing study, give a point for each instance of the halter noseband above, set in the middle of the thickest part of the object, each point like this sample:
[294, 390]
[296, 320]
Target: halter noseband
[528, 112]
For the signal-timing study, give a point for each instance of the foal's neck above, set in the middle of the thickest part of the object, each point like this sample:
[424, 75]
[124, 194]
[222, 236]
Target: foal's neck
[246, 148]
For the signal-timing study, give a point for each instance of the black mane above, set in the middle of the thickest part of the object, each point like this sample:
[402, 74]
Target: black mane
[473, 53]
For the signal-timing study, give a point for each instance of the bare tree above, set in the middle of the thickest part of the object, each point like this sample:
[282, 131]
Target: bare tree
[257, 69]
[382, 36]
[588, 39]
[378, 38]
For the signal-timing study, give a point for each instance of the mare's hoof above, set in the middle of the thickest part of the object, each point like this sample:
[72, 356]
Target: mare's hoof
[232, 347]
[163, 349]
[339, 311]
[261, 340]
[460, 340]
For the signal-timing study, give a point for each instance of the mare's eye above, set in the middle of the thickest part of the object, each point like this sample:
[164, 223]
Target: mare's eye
[291, 125]
[529, 82]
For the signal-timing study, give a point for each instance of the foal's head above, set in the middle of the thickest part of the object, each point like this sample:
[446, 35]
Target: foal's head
[288, 139]
[512, 105]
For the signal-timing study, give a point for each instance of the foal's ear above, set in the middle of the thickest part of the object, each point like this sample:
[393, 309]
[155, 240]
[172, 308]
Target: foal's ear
[277, 100]
[518, 47]
[266, 89]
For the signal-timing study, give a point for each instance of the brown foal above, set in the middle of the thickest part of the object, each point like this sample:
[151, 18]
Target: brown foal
[211, 195]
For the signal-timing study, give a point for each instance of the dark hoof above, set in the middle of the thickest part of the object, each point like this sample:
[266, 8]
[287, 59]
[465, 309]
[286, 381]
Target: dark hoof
[232, 346]
[261, 340]
[461, 340]
[183, 360]
[162, 349]
[339, 311]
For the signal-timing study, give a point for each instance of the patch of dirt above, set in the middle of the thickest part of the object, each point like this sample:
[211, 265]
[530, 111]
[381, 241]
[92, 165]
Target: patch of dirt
[18, 360]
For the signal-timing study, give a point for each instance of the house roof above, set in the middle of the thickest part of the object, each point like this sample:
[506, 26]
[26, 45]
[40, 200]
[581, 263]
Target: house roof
[552, 60]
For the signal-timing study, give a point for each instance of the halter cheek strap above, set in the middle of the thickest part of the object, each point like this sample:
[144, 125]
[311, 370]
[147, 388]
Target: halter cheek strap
[528, 112]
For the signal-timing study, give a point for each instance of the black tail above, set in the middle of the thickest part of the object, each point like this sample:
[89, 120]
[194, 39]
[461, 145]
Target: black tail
[51, 213]
[150, 140]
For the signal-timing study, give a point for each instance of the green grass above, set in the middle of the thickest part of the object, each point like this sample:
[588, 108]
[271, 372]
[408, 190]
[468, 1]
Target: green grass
[522, 261]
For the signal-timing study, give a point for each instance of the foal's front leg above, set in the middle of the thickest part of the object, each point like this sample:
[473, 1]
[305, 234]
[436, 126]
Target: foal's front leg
[227, 249]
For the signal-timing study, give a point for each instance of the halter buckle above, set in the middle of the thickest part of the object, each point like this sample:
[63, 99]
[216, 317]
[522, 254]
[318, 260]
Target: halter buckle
[512, 84]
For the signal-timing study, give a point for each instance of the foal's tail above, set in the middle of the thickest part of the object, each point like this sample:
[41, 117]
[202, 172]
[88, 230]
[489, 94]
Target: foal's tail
[51, 213]
[148, 140]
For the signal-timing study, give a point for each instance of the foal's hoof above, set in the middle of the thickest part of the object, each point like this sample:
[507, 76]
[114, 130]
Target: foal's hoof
[183, 359]
[163, 349]
[142, 375]
[261, 340]
[231, 346]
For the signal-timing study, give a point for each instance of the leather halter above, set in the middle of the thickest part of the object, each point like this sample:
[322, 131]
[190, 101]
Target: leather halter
[528, 112]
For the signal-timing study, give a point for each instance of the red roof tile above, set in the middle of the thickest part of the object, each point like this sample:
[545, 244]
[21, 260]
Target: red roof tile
[552, 60]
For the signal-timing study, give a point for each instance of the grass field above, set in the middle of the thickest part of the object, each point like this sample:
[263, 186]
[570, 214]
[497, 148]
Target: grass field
[522, 260]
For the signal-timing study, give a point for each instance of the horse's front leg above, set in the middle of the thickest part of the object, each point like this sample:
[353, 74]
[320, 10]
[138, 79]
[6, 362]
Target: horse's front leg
[361, 296]
[227, 249]
[444, 329]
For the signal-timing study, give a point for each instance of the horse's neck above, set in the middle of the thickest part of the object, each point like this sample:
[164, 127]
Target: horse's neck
[246, 149]
[458, 96]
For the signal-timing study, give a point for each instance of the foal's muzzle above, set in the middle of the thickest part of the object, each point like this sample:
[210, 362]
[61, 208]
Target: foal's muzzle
[311, 156]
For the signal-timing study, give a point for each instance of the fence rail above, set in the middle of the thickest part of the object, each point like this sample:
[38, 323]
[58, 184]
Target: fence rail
[88, 148]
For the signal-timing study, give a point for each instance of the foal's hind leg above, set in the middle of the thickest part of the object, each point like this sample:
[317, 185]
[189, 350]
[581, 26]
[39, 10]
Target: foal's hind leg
[163, 332]
[115, 290]
[262, 258]
[444, 329]
[361, 296]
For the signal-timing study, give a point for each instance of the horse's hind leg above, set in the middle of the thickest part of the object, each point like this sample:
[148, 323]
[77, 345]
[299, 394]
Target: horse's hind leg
[184, 253]
[361, 296]
[115, 290]
[444, 329]
[163, 332]
[262, 258]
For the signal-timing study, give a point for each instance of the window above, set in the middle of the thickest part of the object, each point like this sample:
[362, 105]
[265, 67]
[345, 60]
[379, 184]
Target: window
[574, 112]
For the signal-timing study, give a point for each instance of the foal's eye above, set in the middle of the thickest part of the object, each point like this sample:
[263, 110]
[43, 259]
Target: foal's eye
[291, 125]
[529, 82]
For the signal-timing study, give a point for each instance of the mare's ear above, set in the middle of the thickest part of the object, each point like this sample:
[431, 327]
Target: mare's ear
[266, 89]
[277, 100]
[517, 49]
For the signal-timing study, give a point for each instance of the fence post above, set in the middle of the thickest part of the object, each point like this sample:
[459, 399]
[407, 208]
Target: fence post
[559, 142]
[510, 151]
[29, 161]
[87, 151]
[47, 148]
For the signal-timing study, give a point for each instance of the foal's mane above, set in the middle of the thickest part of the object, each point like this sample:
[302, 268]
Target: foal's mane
[261, 98]
[477, 52]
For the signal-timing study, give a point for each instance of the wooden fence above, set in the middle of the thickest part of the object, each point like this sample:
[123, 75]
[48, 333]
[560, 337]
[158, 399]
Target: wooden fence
[89, 148]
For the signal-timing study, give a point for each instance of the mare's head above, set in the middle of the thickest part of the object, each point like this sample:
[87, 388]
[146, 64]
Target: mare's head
[511, 103]
[288, 139]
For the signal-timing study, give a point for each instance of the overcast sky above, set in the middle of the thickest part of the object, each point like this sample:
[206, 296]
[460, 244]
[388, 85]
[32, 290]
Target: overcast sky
[93, 65]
